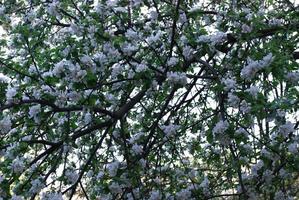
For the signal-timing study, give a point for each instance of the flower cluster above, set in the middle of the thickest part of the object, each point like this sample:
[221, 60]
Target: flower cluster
[220, 127]
[177, 78]
[5, 125]
[250, 70]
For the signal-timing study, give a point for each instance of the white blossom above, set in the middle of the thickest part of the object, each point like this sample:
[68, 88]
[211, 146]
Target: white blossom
[137, 2]
[53, 8]
[75, 29]
[87, 118]
[253, 90]
[4, 78]
[85, 59]
[275, 22]
[141, 67]
[249, 16]
[34, 111]
[154, 38]
[188, 52]
[170, 130]
[32, 69]
[74, 96]
[218, 37]
[129, 49]
[233, 100]
[157, 180]
[229, 83]
[10, 94]
[100, 58]
[250, 70]
[220, 127]
[27, 138]
[172, 61]
[267, 60]
[245, 107]
[286, 128]
[177, 78]
[131, 34]
[155, 195]
[256, 167]
[36, 186]
[120, 9]
[116, 70]
[60, 67]
[112, 168]
[17, 165]
[5, 125]
[2, 10]
[115, 188]
[81, 56]
[205, 183]
[183, 18]
[51, 196]
[184, 194]
[247, 148]
[71, 176]
[79, 75]
[283, 173]
[100, 175]
[66, 51]
[16, 197]
[112, 3]
[204, 38]
[279, 195]
[242, 131]
[137, 149]
[142, 163]
[268, 176]
[293, 148]
[280, 113]
[246, 28]
[293, 77]
[153, 14]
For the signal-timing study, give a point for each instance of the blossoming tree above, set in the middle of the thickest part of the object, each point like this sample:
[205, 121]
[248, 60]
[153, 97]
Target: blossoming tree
[149, 99]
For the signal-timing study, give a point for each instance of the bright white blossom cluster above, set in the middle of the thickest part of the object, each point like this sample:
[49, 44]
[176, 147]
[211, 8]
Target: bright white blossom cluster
[252, 67]
[216, 38]
[10, 94]
[177, 78]
[170, 130]
[34, 111]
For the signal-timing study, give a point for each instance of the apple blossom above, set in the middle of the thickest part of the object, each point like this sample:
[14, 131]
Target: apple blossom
[149, 99]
